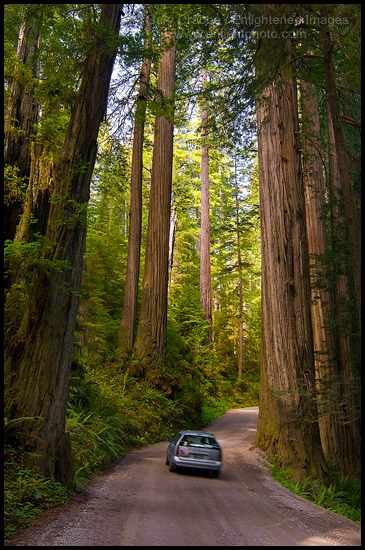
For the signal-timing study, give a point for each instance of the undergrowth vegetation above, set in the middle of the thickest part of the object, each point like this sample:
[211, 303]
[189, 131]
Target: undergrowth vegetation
[26, 493]
[343, 496]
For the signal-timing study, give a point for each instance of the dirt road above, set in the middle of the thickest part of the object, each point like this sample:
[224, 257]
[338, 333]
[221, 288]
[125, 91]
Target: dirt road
[140, 503]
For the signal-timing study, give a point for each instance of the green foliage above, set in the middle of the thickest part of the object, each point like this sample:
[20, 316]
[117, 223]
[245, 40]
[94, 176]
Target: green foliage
[14, 185]
[27, 256]
[184, 303]
[211, 412]
[21, 261]
[26, 493]
[343, 496]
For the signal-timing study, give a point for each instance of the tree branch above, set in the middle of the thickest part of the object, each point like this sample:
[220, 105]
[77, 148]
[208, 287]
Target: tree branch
[350, 121]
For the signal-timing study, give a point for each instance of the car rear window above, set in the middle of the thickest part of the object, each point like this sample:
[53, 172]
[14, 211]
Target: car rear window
[199, 440]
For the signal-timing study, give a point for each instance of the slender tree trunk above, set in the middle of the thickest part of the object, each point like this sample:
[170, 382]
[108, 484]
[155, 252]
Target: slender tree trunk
[240, 355]
[172, 238]
[38, 355]
[129, 314]
[288, 421]
[205, 269]
[150, 345]
[240, 282]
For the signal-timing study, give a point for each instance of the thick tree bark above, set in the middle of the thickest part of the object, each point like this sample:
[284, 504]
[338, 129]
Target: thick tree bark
[321, 299]
[128, 321]
[205, 268]
[36, 206]
[352, 217]
[288, 421]
[38, 356]
[345, 450]
[150, 345]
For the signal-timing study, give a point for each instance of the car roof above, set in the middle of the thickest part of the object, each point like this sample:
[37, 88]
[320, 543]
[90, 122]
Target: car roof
[195, 432]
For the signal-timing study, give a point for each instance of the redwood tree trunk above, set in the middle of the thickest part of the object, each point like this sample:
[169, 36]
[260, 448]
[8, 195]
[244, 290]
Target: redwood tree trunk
[240, 286]
[288, 422]
[346, 450]
[128, 321]
[343, 169]
[150, 345]
[205, 268]
[38, 356]
[321, 299]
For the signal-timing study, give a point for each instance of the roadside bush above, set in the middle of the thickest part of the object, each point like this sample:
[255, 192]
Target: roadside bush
[343, 496]
[26, 493]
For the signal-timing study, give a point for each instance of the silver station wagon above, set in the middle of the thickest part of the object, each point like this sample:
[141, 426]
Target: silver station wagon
[194, 449]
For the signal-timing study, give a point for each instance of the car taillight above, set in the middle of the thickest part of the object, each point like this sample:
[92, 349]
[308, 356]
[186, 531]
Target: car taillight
[219, 455]
[181, 452]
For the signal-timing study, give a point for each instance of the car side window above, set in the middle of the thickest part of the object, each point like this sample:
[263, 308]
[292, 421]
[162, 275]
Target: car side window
[176, 438]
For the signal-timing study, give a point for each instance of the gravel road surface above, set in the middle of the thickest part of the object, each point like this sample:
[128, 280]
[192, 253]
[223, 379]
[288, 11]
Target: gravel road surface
[138, 502]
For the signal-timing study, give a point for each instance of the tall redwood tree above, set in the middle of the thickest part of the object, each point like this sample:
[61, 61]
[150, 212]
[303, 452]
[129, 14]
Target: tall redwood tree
[150, 345]
[205, 268]
[288, 420]
[38, 355]
[129, 314]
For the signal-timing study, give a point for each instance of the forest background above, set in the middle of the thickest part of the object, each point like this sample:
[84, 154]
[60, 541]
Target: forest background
[209, 356]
